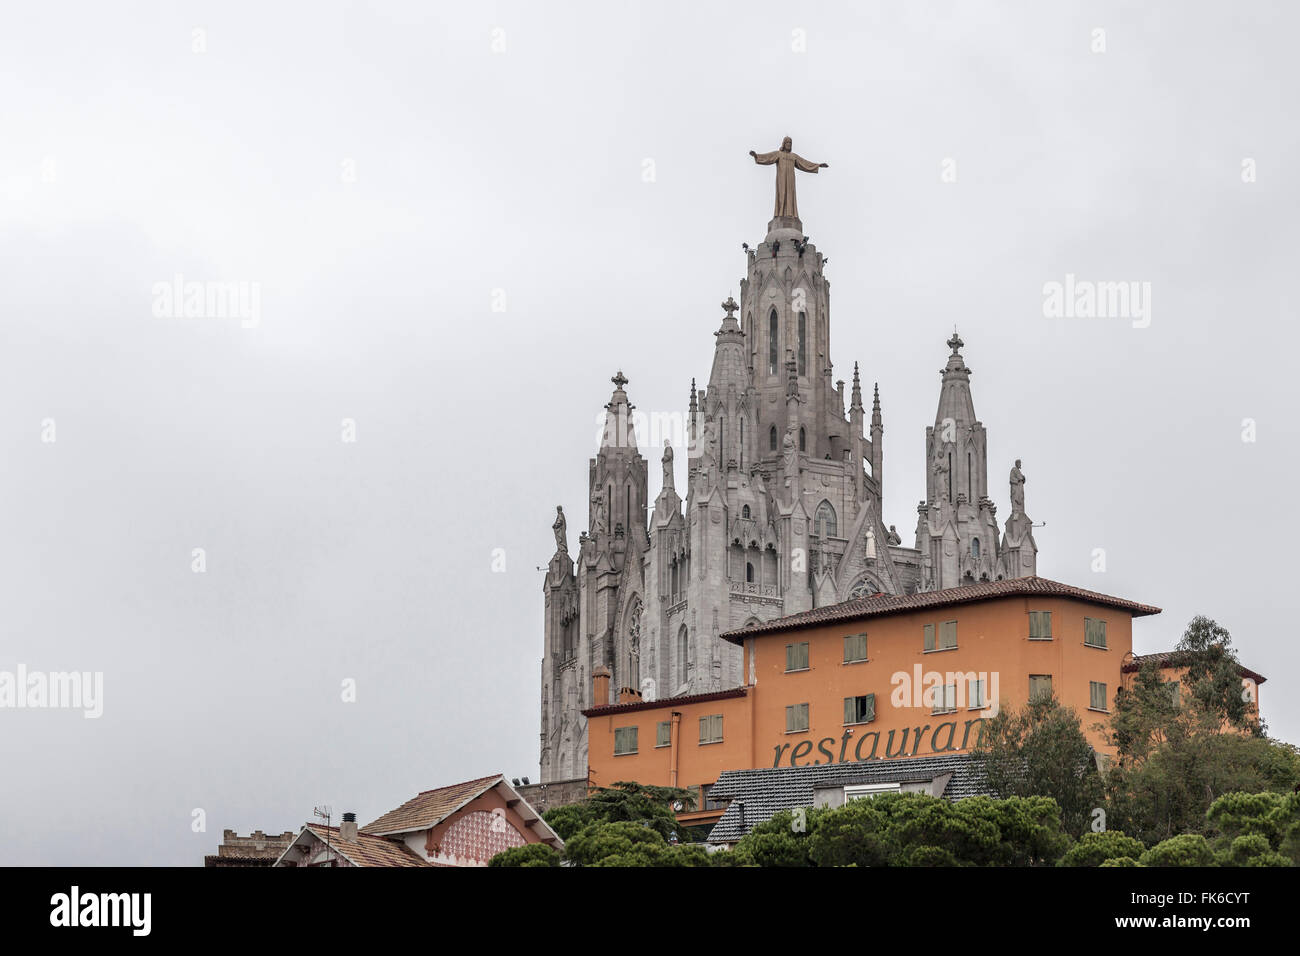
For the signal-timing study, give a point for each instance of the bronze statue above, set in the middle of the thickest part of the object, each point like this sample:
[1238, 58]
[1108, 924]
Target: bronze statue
[786, 163]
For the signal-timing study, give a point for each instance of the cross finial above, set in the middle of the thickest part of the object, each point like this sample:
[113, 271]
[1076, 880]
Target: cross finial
[730, 306]
[955, 342]
[619, 380]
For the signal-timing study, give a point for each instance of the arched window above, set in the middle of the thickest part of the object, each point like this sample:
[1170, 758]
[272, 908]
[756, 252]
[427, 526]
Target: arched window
[744, 512]
[742, 443]
[824, 524]
[803, 440]
[974, 547]
[771, 439]
[683, 648]
[771, 343]
[803, 343]
[749, 572]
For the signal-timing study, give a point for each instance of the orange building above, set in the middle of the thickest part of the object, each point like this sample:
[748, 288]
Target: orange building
[880, 677]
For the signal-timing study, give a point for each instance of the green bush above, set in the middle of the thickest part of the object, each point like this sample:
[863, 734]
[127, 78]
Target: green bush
[1188, 849]
[531, 854]
[1094, 849]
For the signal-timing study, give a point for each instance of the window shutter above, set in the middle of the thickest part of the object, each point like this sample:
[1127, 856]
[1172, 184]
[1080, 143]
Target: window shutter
[948, 635]
[789, 657]
[803, 656]
[871, 708]
[850, 710]
[704, 730]
[929, 637]
[789, 719]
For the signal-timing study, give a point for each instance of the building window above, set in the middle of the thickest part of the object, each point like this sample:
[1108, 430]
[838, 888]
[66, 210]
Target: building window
[771, 439]
[976, 697]
[975, 547]
[749, 572]
[1040, 625]
[803, 440]
[683, 649]
[796, 718]
[1094, 632]
[796, 657]
[945, 699]
[1096, 695]
[824, 523]
[867, 790]
[624, 740]
[1040, 685]
[711, 729]
[803, 339]
[860, 709]
[1174, 697]
[855, 648]
[664, 733]
[771, 343]
[744, 512]
[947, 637]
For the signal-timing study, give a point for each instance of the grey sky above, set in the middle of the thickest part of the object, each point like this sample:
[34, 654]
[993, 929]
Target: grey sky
[127, 158]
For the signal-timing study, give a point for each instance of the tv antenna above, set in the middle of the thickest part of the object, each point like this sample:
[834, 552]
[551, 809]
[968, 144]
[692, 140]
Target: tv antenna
[324, 813]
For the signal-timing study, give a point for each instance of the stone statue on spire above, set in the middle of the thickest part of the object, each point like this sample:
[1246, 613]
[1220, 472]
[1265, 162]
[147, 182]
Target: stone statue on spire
[1017, 489]
[786, 162]
[561, 529]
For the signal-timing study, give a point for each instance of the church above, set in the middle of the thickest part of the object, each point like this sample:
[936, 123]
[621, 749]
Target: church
[782, 510]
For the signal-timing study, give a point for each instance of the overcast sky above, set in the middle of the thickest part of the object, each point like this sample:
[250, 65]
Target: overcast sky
[386, 176]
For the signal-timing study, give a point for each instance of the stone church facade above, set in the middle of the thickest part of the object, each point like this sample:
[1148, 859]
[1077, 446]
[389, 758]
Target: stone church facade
[783, 510]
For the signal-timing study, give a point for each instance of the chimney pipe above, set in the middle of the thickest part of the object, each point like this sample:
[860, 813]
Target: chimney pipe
[600, 687]
[348, 828]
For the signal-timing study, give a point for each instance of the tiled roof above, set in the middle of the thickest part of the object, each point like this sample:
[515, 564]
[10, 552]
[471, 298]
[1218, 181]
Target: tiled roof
[431, 807]
[879, 605]
[766, 791]
[1178, 659]
[664, 702]
[367, 849]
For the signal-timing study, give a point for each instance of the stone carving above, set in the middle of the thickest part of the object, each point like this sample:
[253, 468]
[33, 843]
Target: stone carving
[787, 450]
[668, 465]
[940, 475]
[597, 513]
[1017, 489]
[786, 162]
[894, 537]
[561, 531]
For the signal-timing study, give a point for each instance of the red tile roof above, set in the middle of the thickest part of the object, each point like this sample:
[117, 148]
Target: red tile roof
[664, 702]
[431, 807]
[367, 849]
[880, 605]
[1178, 659]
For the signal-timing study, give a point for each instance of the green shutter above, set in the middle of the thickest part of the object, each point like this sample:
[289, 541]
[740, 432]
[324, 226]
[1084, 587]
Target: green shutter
[850, 710]
[948, 635]
[625, 740]
[664, 734]
[803, 656]
[870, 709]
[855, 648]
[1040, 625]
[803, 716]
[789, 719]
[929, 637]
